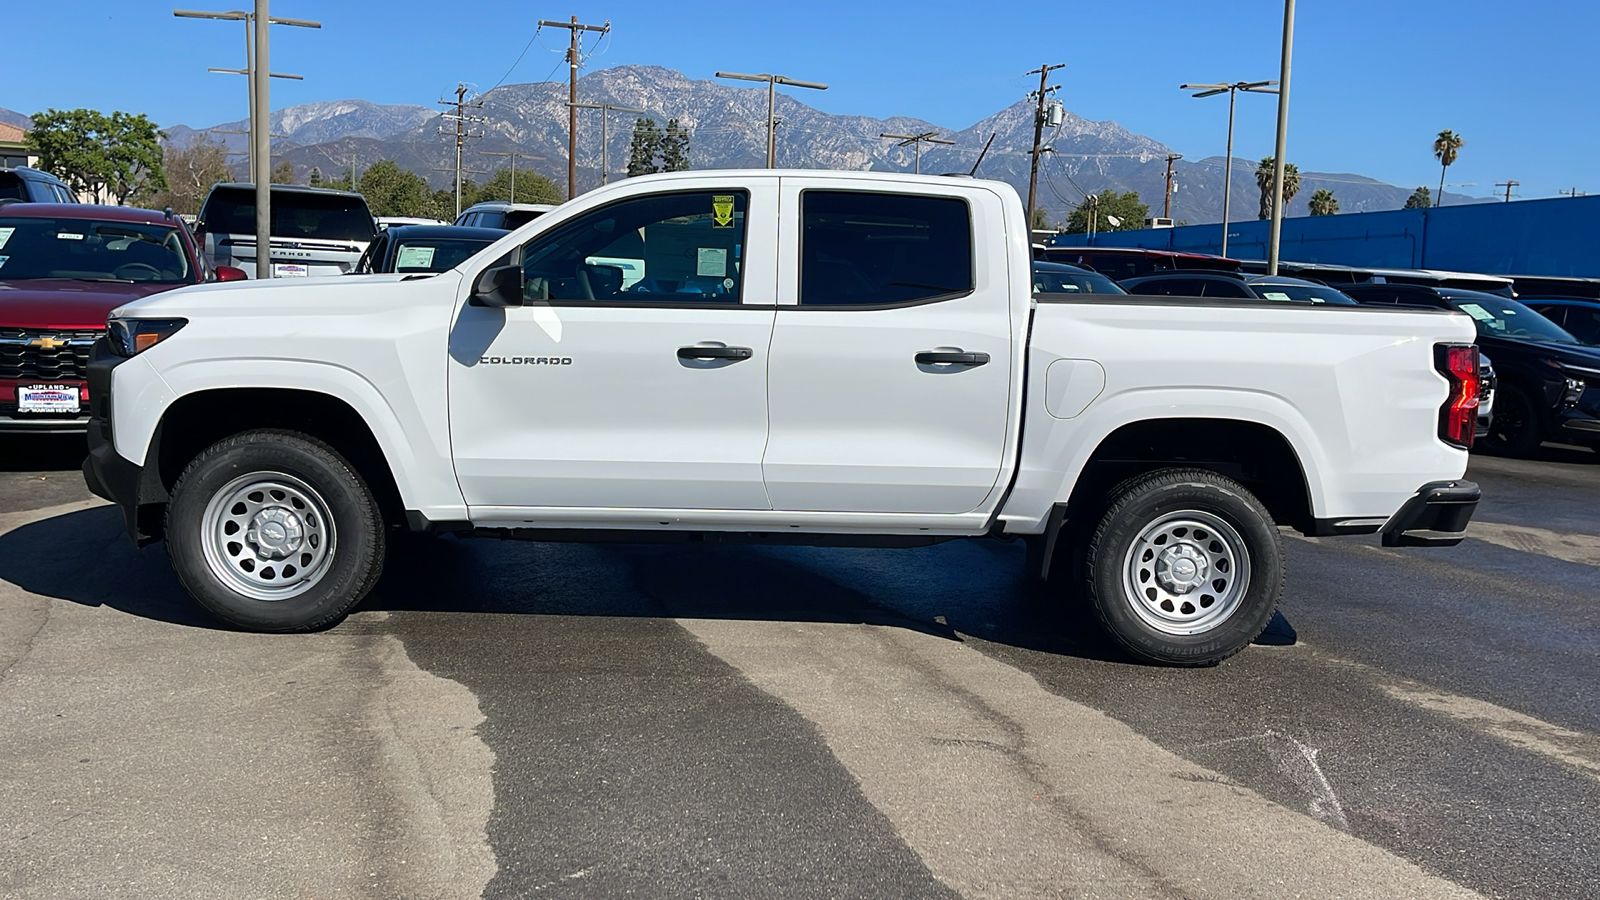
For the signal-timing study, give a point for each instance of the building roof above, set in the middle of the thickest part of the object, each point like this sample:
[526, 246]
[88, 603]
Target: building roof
[11, 134]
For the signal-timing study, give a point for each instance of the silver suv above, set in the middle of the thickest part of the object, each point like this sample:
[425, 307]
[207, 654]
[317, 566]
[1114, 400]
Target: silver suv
[501, 214]
[315, 231]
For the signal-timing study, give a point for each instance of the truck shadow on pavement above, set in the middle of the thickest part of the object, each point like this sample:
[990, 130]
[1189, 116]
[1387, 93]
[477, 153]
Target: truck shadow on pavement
[951, 590]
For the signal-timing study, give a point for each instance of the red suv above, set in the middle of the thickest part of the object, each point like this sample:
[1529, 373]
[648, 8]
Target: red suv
[63, 268]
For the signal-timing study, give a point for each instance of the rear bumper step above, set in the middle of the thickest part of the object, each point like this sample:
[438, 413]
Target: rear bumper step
[1436, 516]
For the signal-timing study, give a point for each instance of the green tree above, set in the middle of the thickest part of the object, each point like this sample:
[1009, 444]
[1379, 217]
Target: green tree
[1040, 223]
[191, 171]
[1421, 198]
[315, 178]
[393, 191]
[283, 173]
[675, 148]
[1264, 178]
[110, 157]
[644, 148]
[1324, 203]
[1097, 210]
[1446, 147]
[531, 188]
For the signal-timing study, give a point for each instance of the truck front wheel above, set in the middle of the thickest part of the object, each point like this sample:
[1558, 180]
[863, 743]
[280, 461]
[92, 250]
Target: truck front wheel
[1185, 567]
[274, 531]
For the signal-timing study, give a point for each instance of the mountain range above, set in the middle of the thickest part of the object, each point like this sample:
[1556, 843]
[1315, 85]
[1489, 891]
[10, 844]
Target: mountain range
[728, 129]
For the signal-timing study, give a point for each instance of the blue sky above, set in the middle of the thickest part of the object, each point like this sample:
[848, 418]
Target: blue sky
[1374, 80]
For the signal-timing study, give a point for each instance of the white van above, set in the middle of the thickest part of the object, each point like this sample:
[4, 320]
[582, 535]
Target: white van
[315, 231]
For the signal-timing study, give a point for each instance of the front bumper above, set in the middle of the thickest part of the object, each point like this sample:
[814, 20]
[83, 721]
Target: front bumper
[1436, 516]
[137, 490]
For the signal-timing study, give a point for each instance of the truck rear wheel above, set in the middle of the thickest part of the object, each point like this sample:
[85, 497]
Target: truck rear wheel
[1185, 567]
[274, 531]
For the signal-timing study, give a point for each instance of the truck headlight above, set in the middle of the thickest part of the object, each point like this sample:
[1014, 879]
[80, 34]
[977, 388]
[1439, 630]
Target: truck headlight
[131, 336]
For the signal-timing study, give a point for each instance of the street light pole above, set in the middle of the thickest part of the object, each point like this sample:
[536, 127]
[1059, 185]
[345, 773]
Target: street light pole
[772, 98]
[1211, 90]
[1283, 135]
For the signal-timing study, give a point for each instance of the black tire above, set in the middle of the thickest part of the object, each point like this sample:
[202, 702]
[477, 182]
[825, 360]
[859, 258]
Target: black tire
[1514, 428]
[1206, 616]
[347, 561]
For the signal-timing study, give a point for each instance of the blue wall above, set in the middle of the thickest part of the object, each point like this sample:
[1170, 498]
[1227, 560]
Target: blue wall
[1559, 237]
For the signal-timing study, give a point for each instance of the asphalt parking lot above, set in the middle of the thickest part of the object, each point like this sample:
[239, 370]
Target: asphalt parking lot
[532, 720]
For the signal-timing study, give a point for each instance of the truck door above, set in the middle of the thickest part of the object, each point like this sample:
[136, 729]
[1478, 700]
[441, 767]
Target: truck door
[891, 363]
[635, 375]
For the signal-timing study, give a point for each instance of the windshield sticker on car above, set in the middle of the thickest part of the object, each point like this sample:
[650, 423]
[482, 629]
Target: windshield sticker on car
[1275, 295]
[1477, 312]
[721, 210]
[5, 235]
[68, 236]
[414, 258]
[713, 262]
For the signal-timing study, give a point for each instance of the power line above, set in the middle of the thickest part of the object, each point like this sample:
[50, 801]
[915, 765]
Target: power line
[917, 140]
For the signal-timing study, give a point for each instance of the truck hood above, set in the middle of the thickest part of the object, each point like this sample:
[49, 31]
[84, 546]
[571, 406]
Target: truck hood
[330, 294]
[66, 305]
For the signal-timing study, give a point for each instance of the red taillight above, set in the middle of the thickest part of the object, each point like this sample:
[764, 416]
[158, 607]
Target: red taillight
[1458, 418]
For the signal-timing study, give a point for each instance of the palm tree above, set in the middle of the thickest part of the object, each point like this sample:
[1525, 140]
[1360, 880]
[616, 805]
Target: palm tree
[1291, 184]
[1445, 149]
[1324, 203]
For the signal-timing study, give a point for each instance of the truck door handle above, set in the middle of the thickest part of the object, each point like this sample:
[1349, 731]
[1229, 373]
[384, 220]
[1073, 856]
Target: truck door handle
[954, 357]
[715, 353]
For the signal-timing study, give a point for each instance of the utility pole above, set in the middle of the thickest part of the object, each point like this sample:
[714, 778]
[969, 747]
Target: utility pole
[1276, 233]
[1573, 192]
[576, 28]
[917, 140]
[605, 135]
[460, 132]
[1166, 208]
[772, 99]
[1038, 135]
[514, 157]
[1508, 184]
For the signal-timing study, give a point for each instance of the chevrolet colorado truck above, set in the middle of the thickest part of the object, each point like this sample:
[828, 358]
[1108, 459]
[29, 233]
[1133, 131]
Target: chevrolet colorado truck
[819, 357]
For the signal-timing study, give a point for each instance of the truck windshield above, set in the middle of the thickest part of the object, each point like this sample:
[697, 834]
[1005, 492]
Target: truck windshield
[295, 214]
[91, 250]
[1509, 319]
[1050, 281]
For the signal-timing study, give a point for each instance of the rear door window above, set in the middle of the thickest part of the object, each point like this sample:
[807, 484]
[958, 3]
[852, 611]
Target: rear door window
[1232, 290]
[859, 248]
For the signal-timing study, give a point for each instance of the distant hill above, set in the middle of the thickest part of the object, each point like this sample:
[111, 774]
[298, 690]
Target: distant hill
[15, 118]
[728, 126]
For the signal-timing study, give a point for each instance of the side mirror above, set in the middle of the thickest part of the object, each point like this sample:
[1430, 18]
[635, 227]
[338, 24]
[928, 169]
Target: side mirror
[499, 288]
[229, 273]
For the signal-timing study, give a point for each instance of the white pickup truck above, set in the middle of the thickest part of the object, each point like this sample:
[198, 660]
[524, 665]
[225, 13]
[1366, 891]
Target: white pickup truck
[820, 357]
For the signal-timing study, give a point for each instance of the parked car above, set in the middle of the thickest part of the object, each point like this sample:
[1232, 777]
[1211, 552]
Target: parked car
[27, 185]
[1581, 318]
[501, 214]
[387, 222]
[315, 231]
[1338, 276]
[753, 386]
[417, 249]
[63, 269]
[1486, 388]
[1118, 263]
[1060, 278]
[1236, 286]
[1548, 384]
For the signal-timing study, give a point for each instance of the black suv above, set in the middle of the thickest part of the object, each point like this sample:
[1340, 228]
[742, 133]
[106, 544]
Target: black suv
[1548, 383]
[33, 186]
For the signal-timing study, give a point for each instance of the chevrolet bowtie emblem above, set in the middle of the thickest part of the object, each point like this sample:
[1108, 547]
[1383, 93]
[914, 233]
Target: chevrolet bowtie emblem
[47, 343]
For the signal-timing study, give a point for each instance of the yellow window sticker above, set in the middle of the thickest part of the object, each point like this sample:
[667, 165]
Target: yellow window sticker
[721, 210]
[712, 262]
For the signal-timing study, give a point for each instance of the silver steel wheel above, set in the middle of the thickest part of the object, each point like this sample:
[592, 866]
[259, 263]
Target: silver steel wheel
[268, 536]
[1186, 572]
